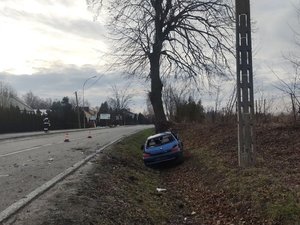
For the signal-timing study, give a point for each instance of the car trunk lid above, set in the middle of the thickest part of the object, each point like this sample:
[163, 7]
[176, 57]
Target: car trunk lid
[154, 150]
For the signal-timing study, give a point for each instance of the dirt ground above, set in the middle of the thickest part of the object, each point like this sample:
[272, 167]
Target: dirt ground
[208, 188]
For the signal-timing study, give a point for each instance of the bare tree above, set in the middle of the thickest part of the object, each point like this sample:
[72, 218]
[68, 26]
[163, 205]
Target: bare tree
[121, 98]
[6, 92]
[229, 108]
[36, 102]
[31, 100]
[291, 87]
[160, 38]
[263, 103]
[169, 100]
[173, 96]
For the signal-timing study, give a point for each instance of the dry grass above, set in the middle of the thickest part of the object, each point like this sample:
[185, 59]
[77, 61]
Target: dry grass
[208, 188]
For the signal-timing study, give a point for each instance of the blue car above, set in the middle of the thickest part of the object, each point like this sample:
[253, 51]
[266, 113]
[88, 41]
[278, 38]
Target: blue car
[161, 148]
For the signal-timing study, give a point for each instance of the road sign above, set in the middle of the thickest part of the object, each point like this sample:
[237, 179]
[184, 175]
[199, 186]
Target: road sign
[104, 116]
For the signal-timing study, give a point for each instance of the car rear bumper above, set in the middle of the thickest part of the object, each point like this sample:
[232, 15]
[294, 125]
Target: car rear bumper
[162, 158]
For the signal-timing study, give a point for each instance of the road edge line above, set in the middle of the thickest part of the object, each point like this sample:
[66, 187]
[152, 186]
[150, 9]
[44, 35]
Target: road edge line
[15, 207]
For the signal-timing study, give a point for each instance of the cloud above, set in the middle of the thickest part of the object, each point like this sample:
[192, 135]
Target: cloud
[54, 46]
[272, 34]
[80, 27]
[38, 33]
[63, 80]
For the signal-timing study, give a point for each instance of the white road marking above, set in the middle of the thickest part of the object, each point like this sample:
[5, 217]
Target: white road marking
[4, 175]
[17, 152]
[34, 194]
[37, 147]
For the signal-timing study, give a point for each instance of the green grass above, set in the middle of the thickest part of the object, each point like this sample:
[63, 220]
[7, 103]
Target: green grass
[286, 211]
[256, 188]
[135, 184]
[265, 192]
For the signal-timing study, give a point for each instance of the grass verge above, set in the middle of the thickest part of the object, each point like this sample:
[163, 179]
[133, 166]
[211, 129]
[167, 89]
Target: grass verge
[244, 196]
[208, 188]
[133, 198]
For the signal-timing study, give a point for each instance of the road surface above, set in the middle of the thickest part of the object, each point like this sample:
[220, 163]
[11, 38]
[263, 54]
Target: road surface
[28, 162]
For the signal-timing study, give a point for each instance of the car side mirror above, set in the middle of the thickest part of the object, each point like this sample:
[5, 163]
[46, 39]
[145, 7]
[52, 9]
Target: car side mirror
[142, 147]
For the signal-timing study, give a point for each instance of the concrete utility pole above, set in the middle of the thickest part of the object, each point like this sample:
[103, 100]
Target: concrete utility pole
[245, 99]
[83, 98]
[78, 114]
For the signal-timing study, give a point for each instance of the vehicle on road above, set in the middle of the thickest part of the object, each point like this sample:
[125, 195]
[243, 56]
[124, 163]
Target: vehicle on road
[162, 148]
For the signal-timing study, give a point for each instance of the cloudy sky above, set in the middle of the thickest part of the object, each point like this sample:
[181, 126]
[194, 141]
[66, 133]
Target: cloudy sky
[52, 46]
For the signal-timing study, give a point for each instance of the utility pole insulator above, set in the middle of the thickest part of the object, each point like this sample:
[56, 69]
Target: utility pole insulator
[245, 99]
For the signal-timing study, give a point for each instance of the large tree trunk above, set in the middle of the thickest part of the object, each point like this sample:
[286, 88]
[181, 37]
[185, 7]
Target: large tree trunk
[156, 84]
[155, 95]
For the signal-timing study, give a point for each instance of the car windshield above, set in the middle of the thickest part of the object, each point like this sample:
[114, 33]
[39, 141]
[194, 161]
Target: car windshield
[161, 140]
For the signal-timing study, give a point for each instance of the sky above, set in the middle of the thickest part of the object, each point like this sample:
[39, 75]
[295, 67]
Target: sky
[51, 47]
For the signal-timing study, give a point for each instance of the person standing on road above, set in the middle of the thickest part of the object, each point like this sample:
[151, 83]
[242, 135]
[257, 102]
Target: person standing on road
[46, 124]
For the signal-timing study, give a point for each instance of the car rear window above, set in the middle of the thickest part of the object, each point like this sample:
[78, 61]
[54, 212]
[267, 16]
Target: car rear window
[161, 140]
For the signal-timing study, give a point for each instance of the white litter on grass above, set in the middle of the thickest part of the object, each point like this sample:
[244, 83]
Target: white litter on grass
[161, 189]
[51, 159]
[193, 213]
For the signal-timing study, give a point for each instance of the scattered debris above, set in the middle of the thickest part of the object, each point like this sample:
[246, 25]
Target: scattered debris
[161, 189]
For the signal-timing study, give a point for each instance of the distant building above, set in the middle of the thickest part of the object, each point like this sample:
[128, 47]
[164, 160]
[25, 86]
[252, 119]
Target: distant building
[14, 101]
[42, 111]
[129, 114]
[90, 115]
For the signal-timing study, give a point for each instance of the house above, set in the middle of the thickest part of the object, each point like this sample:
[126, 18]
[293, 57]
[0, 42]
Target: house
[15, 102]
[90, 115]
[42, 111]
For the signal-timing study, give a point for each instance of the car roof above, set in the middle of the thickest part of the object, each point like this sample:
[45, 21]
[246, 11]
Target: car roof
[159, 134]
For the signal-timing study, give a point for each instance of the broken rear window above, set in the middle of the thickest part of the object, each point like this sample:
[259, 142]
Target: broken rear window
[161, 140]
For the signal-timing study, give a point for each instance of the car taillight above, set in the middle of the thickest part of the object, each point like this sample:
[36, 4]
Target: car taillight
[146, 155]
[175, 148]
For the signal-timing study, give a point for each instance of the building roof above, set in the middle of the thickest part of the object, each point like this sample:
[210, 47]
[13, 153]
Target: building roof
[16, 102]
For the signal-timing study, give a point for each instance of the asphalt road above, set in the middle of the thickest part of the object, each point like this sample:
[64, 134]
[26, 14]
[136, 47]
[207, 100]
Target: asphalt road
[28, 162]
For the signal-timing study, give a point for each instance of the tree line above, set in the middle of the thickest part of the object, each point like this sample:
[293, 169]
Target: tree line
[12, 119]
[61, 114]
[120, 116]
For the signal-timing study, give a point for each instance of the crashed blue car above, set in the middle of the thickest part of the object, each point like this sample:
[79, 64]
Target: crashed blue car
[162, 148]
